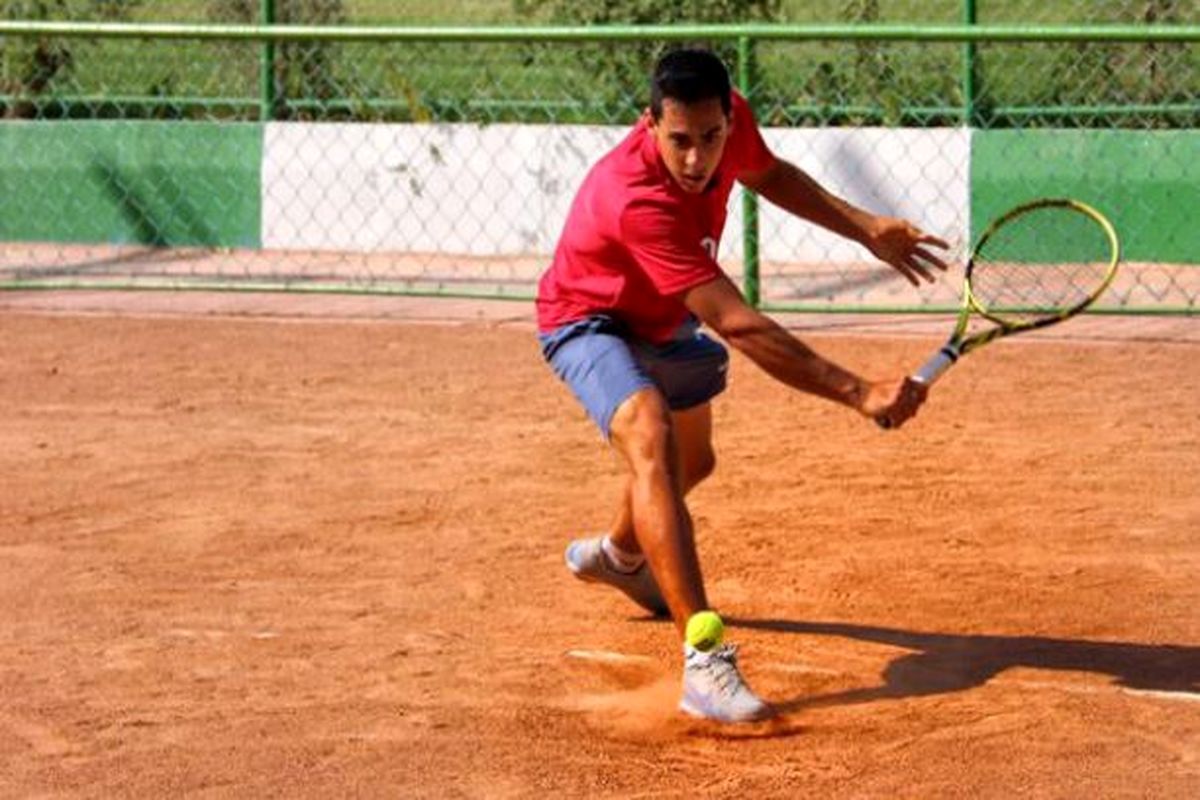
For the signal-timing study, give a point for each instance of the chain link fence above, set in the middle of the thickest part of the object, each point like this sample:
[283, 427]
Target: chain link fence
[352, 158]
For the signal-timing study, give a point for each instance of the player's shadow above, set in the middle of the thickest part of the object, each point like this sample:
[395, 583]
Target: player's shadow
[941, 663]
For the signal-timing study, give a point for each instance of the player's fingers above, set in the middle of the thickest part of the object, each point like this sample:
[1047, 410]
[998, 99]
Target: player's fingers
[916, 389]
[912, 395]
[898, 416]
[904, 411]
[906, 271]
[926, 238]
[911, 269]
[925, 255]
[920, 269]
[896, 412]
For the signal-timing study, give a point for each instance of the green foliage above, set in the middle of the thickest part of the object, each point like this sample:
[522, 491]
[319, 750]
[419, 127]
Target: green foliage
[111, 10]
[793, 82]
[620, 70]
[872, 70]
[302, 69]
[649, 12]
[30, 67]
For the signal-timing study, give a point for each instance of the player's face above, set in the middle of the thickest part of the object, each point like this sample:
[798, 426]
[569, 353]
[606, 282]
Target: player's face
[691, 139]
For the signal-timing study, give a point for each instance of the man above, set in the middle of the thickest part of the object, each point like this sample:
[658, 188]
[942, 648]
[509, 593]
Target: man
[633, 276]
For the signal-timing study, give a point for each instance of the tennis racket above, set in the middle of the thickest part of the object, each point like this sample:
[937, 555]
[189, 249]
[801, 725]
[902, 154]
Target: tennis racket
[1035, 266]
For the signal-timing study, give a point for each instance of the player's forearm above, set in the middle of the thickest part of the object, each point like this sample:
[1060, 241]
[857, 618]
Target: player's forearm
[790, 361]
[792, 189]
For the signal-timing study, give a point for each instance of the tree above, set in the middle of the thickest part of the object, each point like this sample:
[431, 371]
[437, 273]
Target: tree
[620, 70]
[30, 66]
[1164, 62]
[303, 70]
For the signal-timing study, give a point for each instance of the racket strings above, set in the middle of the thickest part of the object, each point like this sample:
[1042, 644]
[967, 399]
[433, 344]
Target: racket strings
[1041, 263]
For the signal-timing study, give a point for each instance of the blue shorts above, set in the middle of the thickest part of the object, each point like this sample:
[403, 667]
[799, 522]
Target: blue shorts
[603, 365]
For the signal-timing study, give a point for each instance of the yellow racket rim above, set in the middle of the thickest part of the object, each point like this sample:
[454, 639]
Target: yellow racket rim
[972, 303]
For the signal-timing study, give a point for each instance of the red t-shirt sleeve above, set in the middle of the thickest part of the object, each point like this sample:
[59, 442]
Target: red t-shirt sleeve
[752, 152]
[667, 247]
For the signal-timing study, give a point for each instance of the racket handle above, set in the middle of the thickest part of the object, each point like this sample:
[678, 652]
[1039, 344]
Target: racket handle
[929, 372]
[932, 369]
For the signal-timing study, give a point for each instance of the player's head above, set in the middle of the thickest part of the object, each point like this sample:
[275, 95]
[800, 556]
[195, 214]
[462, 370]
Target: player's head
[688, 76]
[690, 114]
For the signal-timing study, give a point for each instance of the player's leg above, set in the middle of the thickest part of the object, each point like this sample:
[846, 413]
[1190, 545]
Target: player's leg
[690, 371]
[594, 359]
[617, 558]
[664, 450]
[642, 432]
[692, 428]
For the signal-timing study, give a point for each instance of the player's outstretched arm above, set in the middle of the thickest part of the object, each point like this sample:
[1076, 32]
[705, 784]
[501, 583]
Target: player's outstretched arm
[908, 249]
[722, 308]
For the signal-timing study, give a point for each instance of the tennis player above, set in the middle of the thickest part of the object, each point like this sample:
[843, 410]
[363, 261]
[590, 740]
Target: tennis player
[620, 310]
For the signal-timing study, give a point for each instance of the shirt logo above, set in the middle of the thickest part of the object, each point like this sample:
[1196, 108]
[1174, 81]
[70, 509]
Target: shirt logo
[710, 246]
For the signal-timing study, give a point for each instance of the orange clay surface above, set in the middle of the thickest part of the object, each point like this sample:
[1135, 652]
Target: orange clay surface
[290, 554]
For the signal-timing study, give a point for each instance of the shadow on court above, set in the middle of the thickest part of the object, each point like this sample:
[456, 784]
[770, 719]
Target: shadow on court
[942, 663]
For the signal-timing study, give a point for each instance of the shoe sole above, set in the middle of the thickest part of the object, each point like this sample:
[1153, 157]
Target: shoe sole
[695, 711]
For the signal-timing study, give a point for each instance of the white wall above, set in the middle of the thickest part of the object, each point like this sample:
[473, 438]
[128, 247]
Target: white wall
[506, 189]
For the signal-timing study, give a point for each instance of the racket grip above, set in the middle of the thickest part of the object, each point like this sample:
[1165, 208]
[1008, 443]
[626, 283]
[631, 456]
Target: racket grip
[932, 369]
[929, 372]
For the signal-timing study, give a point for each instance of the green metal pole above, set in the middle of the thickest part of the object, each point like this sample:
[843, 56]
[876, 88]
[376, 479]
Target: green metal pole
[970, 86]
[750, 286]
[608, 33]
[266, 73]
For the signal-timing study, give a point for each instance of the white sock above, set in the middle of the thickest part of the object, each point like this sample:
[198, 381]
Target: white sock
[621, 560]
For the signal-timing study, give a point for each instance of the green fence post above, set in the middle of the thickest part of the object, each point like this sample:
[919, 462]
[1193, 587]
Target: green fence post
[266, 71]
[970, 83]
[750, 285]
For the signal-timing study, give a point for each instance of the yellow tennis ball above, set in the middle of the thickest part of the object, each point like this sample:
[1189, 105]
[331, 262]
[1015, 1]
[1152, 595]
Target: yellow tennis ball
[705, 630]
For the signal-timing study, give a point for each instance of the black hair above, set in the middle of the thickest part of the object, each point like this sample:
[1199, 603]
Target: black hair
[689, 75]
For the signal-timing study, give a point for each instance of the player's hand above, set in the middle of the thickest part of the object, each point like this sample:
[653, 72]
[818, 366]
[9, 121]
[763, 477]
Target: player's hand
[893, 402]
[905, 247]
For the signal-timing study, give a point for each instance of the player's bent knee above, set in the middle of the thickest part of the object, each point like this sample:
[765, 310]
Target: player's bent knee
[641, 427]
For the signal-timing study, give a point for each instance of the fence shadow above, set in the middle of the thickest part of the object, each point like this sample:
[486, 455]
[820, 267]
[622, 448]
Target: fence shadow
[155, 205]
[941, 663]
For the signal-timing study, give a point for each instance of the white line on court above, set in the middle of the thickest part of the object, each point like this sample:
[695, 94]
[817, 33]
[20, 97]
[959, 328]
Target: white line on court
[608, 657]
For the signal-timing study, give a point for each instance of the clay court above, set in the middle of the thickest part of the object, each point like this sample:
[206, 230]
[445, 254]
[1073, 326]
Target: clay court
[312, 548]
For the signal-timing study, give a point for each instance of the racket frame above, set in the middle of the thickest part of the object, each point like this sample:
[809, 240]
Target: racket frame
[959, 344]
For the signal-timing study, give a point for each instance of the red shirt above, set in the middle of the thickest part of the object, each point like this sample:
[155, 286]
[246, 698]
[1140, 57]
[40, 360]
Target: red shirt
[634, 242]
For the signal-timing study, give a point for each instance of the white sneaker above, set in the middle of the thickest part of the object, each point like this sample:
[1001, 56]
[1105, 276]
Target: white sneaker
[713, 688]
[586, 560]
